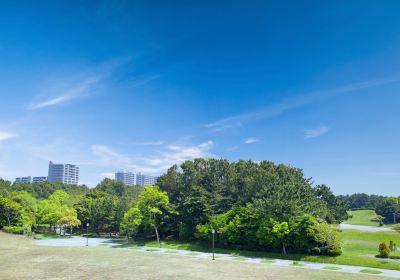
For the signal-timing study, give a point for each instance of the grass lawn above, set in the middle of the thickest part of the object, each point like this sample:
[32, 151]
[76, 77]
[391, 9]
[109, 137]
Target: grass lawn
[362, 218]
[20, 259]
[359, 248]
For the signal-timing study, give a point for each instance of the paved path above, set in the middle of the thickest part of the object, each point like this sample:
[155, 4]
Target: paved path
[95, 242]
[364, 228]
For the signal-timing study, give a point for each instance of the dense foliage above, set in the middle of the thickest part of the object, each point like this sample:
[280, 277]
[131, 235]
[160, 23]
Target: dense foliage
[251, 205]
[361, 201]
[389, 209]
[260, 206]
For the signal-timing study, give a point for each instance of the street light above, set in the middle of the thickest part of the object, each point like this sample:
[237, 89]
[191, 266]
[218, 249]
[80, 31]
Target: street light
[87, 234]
[213, 234]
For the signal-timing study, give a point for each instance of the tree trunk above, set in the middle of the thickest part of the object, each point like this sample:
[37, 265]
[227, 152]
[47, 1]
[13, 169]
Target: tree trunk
[158, 237]
[283, 249]
[8, 220]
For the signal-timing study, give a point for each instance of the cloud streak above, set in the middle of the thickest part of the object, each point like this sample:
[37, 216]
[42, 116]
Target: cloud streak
[81, 89]
[292, 103]
[6, 135]
[313, 133]
[152, 164]
[251, 140]
[148, 143]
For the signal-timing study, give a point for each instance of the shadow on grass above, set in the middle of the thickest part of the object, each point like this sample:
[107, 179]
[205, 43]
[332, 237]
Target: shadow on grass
[205, 248]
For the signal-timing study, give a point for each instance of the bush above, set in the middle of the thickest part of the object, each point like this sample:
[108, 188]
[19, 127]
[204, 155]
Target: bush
[328, 240]
[384, 250]
[13, 229]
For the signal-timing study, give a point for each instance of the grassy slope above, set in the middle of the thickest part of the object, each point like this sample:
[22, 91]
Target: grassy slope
[359, 248]
[362, 217]
[21, 259]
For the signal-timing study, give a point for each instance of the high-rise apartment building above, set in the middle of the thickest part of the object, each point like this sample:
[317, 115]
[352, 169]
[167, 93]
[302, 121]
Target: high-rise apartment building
[63, 173]
[39, 179]
[30, 179]
[143, 180]
[126, 177]
[27, 179]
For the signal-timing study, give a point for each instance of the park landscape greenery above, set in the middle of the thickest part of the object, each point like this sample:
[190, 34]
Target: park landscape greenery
[256, 208]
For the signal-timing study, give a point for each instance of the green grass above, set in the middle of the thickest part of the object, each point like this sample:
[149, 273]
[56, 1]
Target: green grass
[152, 250]
[359, 248]
[217, 256]
[43, 236]
[268, 261]
[362, 218]
[171, 252]
[298, 264]
[103, 245]
[370, 271]
[242, 259]
[21, 259]
[332, 268]
[193, 254]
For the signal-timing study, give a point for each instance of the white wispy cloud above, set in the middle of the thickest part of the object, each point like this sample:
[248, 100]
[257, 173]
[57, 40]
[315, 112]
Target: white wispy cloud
[155, 163]
[148, 143]
[142, 80]
[292, 103]
[251, 140]
[75, 91]
[312, 133]
[108, 156]
[6, 135]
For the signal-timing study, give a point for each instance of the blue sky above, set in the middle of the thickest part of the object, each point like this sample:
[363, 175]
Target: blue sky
[142, 85]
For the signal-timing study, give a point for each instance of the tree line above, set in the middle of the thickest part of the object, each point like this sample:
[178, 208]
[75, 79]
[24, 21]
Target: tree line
[249, 205]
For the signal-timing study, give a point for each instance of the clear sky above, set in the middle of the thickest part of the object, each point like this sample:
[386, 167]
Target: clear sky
[142, 85]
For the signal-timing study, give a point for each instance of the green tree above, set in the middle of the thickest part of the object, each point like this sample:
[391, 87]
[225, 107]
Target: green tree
[273, 232]
[131, 222]
[54, 208]
[154, 207]
[69, 221]
[10, 210]
[388, 209]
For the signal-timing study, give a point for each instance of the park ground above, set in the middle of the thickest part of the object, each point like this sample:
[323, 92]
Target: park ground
[21, 259]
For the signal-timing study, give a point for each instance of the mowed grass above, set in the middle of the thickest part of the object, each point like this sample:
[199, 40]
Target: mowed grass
[362, 218]
[20, 259]
[359, 248]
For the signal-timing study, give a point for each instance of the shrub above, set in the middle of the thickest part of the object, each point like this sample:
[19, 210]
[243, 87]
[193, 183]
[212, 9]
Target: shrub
[384, 250]
[13, 229]
[327, 239]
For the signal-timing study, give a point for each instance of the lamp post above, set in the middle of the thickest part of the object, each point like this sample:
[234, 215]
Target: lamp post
[87, 234]
[213, 234]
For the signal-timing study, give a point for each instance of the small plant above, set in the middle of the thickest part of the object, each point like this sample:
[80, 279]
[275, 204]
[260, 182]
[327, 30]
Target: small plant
[240, 259]
[268, 261]
[370, 271]
[384, 250]
[298, 264]
[332, 268]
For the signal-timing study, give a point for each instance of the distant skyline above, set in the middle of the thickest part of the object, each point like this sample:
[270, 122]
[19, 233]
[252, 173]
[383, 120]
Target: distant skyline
[135, 85]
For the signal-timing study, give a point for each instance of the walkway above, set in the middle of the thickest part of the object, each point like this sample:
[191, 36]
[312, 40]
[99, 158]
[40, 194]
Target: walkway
[364, 228]
[110, 243]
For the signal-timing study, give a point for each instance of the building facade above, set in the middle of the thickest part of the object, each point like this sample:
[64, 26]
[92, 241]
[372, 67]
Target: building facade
[63, 173]
[143, 180]
[30, 179]
[27, 179]
[39, 179]
[126, 177]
